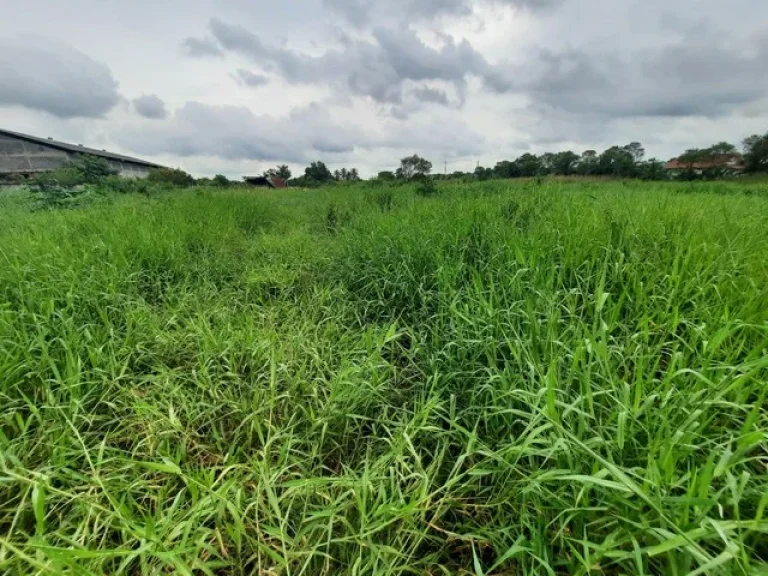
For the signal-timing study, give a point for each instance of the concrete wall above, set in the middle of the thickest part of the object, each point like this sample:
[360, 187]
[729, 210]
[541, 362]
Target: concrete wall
[18, 156]
[129, 170]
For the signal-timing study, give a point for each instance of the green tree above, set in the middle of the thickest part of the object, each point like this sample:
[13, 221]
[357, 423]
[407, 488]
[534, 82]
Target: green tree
[652, 169]
[617, 161]
[412, 166]
[505, 169]
[483, 173]
[547, 163]
[528, 165]
[170, 177]
[221, 181]
[756, 153]
[93, 169]
[563, 163]
[588, 164]
[386, 175]
[282, 172]
[722, 148]
[318, 172]
[636, 150]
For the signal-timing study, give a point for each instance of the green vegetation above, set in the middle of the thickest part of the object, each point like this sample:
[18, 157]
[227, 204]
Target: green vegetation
[509, 377]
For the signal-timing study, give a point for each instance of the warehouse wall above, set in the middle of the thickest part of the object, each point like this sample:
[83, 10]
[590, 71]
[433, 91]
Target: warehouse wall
[19, 156]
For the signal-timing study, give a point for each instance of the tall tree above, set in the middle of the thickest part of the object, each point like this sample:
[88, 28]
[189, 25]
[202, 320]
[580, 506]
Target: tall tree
[528, 165]
[412, 166]
[505, 169]
[547, 163]
[722, 148]
[483, 173]
[587, 165]
[284, 172]
[756, 153]
[636, 150]
[563, 163]
[617, 161]
[318, 172]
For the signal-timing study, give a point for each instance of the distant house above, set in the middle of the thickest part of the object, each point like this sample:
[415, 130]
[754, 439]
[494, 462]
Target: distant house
[22, 155]
[725, 163]
[265, 182]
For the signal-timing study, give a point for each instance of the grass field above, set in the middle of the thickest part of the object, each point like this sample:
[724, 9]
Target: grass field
[510, 378]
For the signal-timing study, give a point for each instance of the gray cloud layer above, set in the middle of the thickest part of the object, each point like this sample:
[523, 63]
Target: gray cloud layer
[697, 76]
[201, 47]
[55, 78]
[308, 133]
[376, 68]
[251, 79]
[367, 12]
[150, 106]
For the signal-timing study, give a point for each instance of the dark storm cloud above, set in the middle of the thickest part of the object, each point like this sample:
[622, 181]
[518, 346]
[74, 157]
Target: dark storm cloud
[201, 47]
[250, 79]
[150, 106]
[53, 77]
[376, 68]
[695, 77]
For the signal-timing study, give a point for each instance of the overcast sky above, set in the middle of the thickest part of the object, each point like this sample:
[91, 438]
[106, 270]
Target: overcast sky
[237, 86]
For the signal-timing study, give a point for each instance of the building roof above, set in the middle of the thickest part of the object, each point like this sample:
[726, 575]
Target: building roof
[273, 182]
[258, 181]
[76, 148]
[732, 161]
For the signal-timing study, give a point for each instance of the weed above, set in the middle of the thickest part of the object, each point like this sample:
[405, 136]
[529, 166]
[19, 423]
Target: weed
[504, 378]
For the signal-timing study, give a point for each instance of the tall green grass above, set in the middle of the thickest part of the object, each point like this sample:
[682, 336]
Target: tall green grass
[502, 379]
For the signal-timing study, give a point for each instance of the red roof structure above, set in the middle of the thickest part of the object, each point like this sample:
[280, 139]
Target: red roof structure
[725, 161]
[266, 182]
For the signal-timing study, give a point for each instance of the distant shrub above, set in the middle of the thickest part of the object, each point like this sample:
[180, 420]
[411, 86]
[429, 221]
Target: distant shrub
[221, 181]
[170, 177]
[127, 186]
[425, 186]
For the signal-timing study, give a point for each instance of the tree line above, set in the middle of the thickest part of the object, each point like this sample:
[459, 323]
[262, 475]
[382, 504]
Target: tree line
[626, 161]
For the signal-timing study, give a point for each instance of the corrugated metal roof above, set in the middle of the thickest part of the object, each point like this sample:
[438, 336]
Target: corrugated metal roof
[79, 149]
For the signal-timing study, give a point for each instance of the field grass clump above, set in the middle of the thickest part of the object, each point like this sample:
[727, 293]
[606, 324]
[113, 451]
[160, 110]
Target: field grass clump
[555, 377]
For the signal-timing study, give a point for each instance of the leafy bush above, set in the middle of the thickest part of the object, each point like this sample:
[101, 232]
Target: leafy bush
[171, 177]
[425, 186]
[221, 181]
[127, 185]
[51, 196]
[93, 169]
